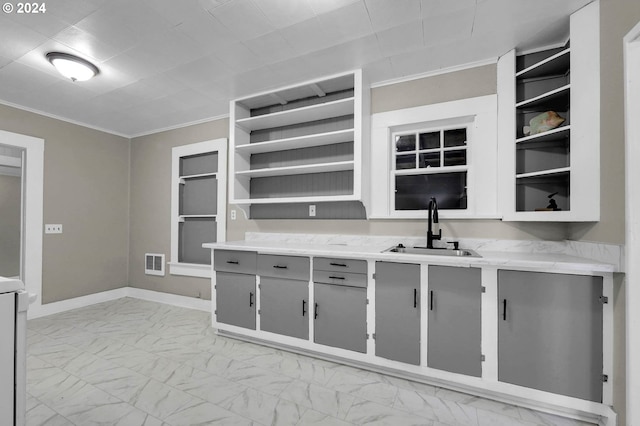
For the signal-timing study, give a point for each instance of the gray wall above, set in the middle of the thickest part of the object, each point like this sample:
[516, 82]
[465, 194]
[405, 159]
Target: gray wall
[86, 189]
[10, 199]
[150, 214]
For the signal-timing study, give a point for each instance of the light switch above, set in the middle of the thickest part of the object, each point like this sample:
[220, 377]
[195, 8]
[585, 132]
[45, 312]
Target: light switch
[312, 210]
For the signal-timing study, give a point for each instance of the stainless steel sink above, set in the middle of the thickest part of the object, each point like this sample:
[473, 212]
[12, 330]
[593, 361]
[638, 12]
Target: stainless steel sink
[432, 252]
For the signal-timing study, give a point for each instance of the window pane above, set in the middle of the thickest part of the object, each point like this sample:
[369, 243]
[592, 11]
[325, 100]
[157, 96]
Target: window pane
[406, 143]
[430, 140]
[414, 192]
[455, 137]
[430, 159]
[405, 162]
[455, 158]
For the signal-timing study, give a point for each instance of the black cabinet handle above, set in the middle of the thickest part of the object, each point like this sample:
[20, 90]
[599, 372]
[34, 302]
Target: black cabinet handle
[304, 307]
[279, 267]
[250, 299]
[233, 262]
[315, 312]
[431, 300]
[415, 297]
[337, 278]
[504, 309]
[342, 265]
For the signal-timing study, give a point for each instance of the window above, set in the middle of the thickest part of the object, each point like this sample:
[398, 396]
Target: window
[198, 205]
[430, 163]
[447, 151]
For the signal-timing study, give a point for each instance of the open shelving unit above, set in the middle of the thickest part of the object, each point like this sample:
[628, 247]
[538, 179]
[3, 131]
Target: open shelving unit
[562, 163]
[198, 204]
[301, 144]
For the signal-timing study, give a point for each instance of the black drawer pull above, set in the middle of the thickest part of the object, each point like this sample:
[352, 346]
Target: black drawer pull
[504, 309]
[250, 299]
[315, 312]
[415, 297]
[431, 300]
[342, 265]
[233, 262]
[280, 267]
[304, 307]
[337, 278]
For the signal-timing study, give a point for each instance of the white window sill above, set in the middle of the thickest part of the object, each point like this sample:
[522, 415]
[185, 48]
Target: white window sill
[190, 269]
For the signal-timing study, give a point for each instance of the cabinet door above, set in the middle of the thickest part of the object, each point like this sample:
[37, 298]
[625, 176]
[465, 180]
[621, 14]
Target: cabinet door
[398, 312]
[454, 332]
[284, 307]
[550, 332]
[236, 299]
[340, 316]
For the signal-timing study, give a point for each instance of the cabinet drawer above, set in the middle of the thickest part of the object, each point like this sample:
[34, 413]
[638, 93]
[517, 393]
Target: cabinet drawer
[235, 261]
[340, 278]
[290, 267]
[340, 265]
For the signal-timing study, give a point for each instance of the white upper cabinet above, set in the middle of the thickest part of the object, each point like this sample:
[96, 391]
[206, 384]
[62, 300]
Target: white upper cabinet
[551, 169]
[306, 143]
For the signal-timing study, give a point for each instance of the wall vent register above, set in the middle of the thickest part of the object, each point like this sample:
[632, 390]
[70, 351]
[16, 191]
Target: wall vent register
[154, 264]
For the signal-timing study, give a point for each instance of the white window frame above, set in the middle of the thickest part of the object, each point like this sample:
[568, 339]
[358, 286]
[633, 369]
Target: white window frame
[216, 145]
[479, 115]
[462, 123]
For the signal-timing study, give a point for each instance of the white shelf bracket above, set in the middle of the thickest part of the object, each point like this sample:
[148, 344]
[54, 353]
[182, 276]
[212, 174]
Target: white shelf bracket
[278, 98]
[317, 89]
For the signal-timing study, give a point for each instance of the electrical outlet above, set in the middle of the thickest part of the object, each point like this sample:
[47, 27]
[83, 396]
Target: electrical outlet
[233, 214]
[312, 210]
[52, 229]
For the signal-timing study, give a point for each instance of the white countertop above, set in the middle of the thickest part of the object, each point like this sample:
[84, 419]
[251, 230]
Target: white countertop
[10, 284]
[538, 261]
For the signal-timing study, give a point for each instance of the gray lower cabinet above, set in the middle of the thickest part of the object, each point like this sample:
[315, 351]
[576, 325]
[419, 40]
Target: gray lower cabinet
[236, 299]
[284, 306]
[340, 316]
[454, 331]
[398, 312]
[550, 332]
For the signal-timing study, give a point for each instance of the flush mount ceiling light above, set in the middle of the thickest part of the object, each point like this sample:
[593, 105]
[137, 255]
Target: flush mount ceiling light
[72, 67]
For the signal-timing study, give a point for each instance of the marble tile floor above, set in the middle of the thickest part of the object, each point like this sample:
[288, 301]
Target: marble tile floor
[130, 362]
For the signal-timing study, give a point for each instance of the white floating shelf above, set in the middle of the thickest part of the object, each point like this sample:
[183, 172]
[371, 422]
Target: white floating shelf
[182, 217]
[201, 175]
[298, 170]
[305, 114]
[544, 173]
[282, 200]
[555, 64]
[550, 135]
[308, 141]
[552, 95]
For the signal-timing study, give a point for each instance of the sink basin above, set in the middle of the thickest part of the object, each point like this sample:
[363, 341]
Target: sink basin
[432, 252]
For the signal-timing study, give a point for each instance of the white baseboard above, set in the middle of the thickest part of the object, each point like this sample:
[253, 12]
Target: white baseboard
[169, 299]
[106, 296]
[75, 303]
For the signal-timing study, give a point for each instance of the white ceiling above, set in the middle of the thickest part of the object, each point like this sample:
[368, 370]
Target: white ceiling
[164, 63]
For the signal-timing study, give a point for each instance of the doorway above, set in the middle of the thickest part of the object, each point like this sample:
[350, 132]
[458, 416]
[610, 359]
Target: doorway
[26, 152]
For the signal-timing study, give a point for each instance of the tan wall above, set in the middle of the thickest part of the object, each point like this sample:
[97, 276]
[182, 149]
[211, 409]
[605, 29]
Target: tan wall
[151, 205]
[10, 200]
[86, 189]
[462, 84]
